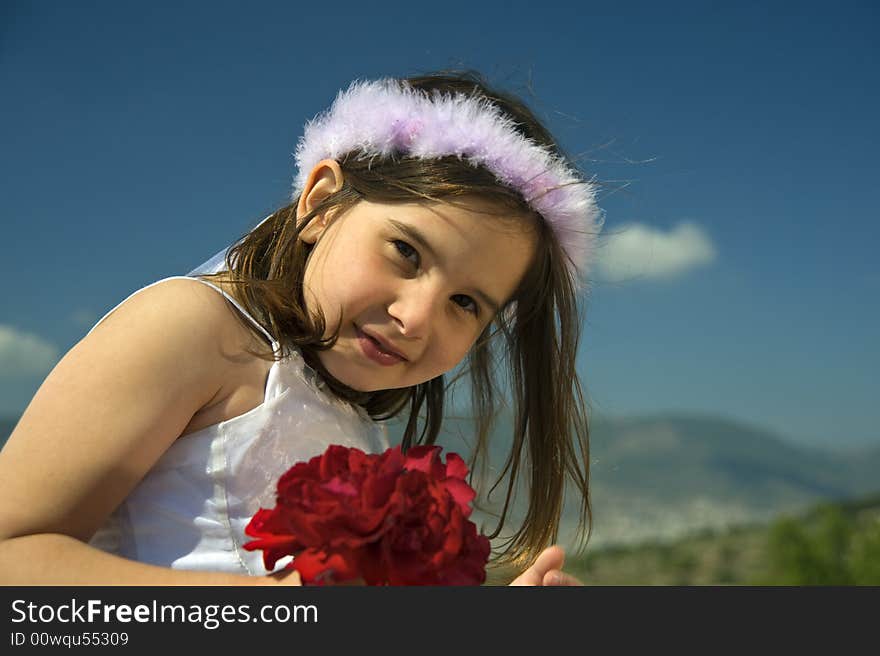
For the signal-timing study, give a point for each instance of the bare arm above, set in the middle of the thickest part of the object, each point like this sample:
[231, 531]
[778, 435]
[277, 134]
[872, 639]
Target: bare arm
[56, 559]
[99, 422]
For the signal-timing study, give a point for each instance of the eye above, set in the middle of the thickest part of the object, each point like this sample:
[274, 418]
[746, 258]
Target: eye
[406, 250]
[474, 309]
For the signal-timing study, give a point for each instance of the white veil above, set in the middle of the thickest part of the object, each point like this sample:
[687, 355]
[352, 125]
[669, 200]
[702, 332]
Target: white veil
[217, 262]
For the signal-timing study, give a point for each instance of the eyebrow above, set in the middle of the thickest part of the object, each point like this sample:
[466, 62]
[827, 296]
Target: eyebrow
[413, 233]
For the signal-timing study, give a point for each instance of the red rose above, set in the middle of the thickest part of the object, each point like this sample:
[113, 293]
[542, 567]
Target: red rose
[431, 541]
[388, 518]
[338, 500]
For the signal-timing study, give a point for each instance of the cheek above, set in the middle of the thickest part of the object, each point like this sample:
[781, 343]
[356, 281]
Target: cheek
[313, 289]
[333, 272]
[355, 284]
[362, 269]
[454, 350]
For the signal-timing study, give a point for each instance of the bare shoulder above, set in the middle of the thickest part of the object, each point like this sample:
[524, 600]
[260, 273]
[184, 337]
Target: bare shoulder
[182, 306]
[113, 405]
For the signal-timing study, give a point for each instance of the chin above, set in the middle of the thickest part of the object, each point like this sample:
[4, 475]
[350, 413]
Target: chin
[358, 378]
[337, 367]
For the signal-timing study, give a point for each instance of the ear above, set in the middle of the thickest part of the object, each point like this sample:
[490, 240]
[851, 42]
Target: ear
[325, 179]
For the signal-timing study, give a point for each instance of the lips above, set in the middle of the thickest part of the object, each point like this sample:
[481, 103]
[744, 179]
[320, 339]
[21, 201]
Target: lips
[382, 344]
[377, 349]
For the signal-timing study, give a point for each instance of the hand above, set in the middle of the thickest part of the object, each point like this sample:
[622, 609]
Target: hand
[283, 577]
[292, 577]
[547, 570]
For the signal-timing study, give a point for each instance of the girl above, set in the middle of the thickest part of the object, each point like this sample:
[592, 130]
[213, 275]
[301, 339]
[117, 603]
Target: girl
[434, 221]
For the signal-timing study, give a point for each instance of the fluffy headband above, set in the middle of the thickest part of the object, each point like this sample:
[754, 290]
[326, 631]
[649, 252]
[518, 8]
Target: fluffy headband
[387, 116]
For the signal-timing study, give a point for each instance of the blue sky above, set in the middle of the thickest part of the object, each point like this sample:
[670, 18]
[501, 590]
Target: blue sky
[737, 144]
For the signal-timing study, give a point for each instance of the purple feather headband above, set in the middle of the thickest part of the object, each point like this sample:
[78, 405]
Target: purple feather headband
[387, 116]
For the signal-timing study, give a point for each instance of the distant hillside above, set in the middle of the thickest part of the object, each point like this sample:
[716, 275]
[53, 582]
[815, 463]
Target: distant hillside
[665, 476]
[828, 544]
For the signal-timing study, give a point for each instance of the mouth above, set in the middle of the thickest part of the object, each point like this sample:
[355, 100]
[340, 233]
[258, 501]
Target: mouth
[377, 350]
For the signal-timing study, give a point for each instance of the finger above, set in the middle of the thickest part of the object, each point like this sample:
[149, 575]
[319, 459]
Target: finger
[551, 558]
[558, 578]
[285, 577]
[530, 577]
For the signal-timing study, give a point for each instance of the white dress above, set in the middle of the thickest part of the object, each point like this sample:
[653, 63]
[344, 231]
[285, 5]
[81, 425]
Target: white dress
[191, 508]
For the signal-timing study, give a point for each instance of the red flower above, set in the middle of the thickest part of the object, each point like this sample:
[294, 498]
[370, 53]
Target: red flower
[387, 518]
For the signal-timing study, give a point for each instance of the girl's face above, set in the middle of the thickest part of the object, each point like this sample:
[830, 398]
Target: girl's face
[424, 279]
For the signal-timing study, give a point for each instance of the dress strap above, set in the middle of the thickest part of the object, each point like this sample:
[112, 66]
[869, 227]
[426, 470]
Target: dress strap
[240, 309]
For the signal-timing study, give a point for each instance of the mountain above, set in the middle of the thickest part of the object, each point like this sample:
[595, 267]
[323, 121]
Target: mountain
[664, 476]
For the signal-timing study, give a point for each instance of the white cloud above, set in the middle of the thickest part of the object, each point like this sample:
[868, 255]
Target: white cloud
[640, 252]
[22, 354]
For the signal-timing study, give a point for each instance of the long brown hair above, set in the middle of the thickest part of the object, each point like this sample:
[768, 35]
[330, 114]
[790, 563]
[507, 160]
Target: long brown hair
[538, 330]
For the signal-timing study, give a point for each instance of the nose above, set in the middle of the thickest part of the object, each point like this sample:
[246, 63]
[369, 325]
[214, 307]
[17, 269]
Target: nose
[416, 309]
